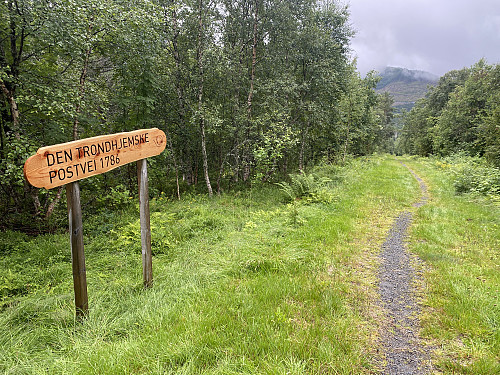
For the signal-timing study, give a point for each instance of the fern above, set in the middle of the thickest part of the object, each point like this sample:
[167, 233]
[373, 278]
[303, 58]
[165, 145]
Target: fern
[303, 186]
[287, 189]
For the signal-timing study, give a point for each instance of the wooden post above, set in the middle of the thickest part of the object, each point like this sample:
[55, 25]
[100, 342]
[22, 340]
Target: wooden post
[77, 253]
[147, 258]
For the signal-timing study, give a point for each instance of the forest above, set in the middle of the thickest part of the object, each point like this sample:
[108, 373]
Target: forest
[461, 114]
[245, 91]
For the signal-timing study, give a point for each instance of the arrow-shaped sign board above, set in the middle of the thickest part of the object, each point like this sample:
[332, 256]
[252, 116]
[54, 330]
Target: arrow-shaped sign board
[61, 164]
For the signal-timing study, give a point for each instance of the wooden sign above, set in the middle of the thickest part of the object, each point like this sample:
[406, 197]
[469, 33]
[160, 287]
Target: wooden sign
[61, 164]
[66, 163]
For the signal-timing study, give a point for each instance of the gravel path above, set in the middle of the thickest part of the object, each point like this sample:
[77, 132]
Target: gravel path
[404, 352]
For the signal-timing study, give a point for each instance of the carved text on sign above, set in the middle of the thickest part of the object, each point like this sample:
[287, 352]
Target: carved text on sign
[60, 164]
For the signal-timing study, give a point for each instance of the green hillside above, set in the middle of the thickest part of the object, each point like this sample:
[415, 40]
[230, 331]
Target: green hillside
[406, 86]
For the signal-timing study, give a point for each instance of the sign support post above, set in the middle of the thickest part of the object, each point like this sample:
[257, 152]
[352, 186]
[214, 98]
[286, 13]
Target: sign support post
[147, 258]
[77, 253]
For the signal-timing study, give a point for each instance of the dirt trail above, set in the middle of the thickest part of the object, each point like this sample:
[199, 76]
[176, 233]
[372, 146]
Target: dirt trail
[404, 352]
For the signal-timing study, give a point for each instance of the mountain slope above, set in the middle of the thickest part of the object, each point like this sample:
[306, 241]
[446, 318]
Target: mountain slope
[406, 86]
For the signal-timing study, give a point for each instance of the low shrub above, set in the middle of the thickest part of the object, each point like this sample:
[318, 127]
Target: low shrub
[117, 197]
[307, 186]
[471, 174]
[482, 180]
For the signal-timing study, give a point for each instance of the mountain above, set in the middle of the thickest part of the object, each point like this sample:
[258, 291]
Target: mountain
[406, 86]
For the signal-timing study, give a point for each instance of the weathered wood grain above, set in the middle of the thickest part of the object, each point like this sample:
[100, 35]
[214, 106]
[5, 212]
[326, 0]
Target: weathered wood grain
[77, 250]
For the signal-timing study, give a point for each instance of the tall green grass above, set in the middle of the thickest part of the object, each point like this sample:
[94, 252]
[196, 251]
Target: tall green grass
[458, 237]
[246, 283]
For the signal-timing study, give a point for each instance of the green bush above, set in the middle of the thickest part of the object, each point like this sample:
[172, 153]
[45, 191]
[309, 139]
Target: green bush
[482, 180]
[307, 186]
[11, 242]
[117, 197]
[472, 175]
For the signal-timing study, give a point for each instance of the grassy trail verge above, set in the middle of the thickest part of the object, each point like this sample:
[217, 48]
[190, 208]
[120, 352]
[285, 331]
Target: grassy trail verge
[458, 237]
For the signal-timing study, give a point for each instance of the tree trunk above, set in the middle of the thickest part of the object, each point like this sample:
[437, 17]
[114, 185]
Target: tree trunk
[345, 144]
[8, 89]
[302, 148]
[246, 156]
[349, 119]
[254, 60]
[13, 67]
[185, 162]
[14, 111]
[54, 203]
[2, 136]
[81, 90]
[177, 59]
[174, 159]
[200, 98]
[205, 158]
[236, 111]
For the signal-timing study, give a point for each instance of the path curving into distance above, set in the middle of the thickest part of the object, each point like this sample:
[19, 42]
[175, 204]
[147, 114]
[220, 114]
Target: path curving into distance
[401, 344]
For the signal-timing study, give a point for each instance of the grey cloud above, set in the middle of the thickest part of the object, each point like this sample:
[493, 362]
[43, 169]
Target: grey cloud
[436, 36]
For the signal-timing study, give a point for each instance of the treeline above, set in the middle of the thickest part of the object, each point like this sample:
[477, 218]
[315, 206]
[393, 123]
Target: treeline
[459, 115]
[245, 90]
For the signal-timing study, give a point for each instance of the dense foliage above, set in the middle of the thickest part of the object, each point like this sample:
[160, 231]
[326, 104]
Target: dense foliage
[243, 89]
[459, 115]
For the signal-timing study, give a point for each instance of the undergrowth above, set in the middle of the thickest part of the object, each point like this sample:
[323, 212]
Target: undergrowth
[243, 283]
[471, 175]
[308, 186]
[255, 281]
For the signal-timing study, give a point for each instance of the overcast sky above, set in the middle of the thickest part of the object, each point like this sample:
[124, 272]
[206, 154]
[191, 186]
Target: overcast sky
[432, 35]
